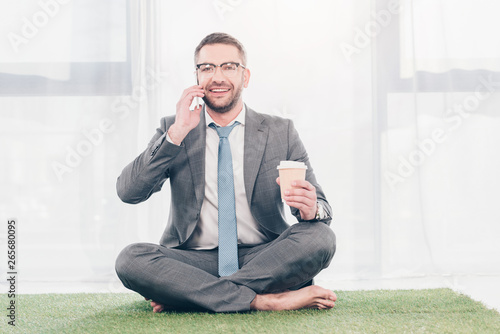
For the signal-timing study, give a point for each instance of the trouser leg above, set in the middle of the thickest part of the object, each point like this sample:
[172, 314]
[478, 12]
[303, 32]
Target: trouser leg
[189, 279]
[289, 261]
[180, 278]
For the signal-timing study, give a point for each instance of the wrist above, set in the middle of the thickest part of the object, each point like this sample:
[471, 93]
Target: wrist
[176, 134]
[309, 215]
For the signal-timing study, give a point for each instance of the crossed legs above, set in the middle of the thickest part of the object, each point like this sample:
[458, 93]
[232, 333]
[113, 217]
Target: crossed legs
[270, 275]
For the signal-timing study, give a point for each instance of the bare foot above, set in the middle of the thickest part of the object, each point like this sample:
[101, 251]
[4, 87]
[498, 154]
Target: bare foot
[312, 296]
[157, 307]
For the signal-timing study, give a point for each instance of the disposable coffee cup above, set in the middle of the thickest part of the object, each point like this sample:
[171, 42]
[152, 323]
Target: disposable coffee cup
[290, 171]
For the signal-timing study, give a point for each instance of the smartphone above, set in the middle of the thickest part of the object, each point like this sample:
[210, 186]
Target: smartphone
[197, 101]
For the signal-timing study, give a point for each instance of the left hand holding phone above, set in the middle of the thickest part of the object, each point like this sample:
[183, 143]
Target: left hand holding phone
[186, 119]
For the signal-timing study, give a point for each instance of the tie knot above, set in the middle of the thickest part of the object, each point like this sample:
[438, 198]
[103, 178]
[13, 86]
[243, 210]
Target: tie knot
[223, 132]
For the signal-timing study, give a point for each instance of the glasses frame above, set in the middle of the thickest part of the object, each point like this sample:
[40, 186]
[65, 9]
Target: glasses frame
[215, 66]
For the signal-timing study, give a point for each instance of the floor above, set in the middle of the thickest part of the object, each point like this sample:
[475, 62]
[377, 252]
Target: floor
[481, 288]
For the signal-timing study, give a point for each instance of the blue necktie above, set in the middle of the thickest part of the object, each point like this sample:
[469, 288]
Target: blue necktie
[228, 234]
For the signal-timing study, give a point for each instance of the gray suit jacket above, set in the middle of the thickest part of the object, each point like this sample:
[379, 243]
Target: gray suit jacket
[268, 140]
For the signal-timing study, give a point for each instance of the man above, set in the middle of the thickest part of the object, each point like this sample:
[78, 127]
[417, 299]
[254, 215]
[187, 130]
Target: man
[213, 255]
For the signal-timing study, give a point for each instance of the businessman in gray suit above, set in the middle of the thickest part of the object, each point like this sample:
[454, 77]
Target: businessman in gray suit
[227, 246]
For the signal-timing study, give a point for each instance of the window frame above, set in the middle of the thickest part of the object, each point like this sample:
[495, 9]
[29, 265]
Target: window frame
[86, 78]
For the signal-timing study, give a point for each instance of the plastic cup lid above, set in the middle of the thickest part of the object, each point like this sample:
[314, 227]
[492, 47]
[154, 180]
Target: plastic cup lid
[291, 164]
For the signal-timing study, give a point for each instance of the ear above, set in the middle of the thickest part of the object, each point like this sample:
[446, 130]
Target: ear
[246, 77]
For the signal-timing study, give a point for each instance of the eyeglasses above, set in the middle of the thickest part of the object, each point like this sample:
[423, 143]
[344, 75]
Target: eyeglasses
[228, 69]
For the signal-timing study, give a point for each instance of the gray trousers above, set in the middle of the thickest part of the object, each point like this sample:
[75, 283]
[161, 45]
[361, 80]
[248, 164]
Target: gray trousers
[188, 279]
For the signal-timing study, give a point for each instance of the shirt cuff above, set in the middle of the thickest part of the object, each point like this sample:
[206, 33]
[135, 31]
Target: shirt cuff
[169, 139]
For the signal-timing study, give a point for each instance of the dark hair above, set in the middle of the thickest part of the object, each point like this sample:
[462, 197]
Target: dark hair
[221, 38]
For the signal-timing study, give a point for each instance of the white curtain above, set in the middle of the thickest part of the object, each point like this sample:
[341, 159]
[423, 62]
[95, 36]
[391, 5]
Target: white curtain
[439, 138]
[402, 135]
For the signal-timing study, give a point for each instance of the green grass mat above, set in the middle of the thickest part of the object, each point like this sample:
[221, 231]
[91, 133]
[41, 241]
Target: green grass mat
[400, 311]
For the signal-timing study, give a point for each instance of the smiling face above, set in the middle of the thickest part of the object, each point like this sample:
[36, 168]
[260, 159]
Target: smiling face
[222, 93]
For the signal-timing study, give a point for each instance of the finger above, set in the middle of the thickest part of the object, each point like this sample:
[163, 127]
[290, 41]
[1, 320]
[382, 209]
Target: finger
[278, 180]
[301, 195]
[190, 90]
[189, 94]
[198, 108]
[188, 99]
[299, 201]
[303, 184]
[302, 188]
[306, 207]
[303, 207]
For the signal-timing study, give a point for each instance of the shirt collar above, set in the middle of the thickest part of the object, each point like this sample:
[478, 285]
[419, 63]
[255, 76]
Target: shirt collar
[240, 118]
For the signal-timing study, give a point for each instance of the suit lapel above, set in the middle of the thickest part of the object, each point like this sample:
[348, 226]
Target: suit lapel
[195, 143]
[256, 133]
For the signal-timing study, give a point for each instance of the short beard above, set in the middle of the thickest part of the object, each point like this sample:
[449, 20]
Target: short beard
[227, 107]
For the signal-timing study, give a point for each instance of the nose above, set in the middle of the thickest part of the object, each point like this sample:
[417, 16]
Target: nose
[218, 76]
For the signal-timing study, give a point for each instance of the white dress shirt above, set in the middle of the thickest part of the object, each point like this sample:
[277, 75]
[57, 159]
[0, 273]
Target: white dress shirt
[205, 235]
